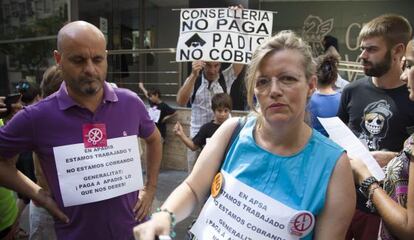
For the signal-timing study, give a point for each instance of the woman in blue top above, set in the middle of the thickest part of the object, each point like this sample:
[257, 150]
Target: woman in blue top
[325, 100]
[276, 153]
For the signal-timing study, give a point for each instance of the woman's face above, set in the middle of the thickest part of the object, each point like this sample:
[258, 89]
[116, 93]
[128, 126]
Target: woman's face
[408, 74]
[281, 87]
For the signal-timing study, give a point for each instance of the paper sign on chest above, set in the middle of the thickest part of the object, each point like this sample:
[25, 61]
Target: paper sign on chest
[241, 212]
[93, 174]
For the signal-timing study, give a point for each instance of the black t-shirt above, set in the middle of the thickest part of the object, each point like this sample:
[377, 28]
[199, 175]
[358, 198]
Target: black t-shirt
[382, 118]
[206, 131]
[165, 110]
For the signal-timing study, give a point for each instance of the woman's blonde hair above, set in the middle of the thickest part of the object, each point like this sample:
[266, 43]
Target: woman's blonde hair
[284, 40]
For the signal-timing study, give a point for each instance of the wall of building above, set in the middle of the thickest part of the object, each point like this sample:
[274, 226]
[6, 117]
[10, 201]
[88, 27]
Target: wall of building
[342, 19]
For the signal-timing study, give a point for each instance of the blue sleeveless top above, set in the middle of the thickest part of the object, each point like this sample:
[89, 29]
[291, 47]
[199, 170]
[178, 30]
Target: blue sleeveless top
[299, 181]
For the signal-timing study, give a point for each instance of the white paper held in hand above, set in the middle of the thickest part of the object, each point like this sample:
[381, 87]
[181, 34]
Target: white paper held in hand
[344, 137]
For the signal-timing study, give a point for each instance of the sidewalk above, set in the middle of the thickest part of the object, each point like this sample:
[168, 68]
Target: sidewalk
[167, 182]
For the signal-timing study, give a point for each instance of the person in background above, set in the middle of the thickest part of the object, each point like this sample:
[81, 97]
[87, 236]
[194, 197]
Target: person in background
[41, 222]
[51, 81]
[394, 201]
[302, 169]
[377, 108]
[30, 94]
[9, 221]
[221, 105]
[205, 80]
[324, 102]
[331, 47]
[166, 112]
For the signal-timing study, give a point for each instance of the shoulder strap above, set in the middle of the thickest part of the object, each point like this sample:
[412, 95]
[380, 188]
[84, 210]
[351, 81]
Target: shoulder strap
[240, 124]
[222, 82]
[197, 85]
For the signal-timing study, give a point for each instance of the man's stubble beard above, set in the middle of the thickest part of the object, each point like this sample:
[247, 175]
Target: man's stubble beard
[381, 68]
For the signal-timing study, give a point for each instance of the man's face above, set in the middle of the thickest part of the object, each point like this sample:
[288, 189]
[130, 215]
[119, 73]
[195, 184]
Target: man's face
[82, 59]
[375, 57]
[408, 73]
[212, 70]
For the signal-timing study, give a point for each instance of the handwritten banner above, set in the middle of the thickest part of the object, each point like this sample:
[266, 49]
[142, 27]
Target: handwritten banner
[241, 212]
[222, 34]
[93, 174]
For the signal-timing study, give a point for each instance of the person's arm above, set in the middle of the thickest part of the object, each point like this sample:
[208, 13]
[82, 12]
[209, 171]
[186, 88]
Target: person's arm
[184, 93]
[237, 68]
[195, 187]
[2, 105]
[399, 221]
[340, 203]
[169, 117]
[383, 157]
[15, 107]
[169, 112]
[153, 156]
[178, 130]
[143, 89]
[13, 179]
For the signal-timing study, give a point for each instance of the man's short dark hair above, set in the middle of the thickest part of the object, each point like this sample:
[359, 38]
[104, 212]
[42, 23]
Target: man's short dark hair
[393, 28]
[221, 100]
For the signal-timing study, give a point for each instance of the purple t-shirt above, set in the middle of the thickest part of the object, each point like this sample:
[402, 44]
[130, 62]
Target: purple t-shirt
[57, 121]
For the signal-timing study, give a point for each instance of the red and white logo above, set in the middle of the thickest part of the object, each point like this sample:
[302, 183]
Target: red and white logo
[94, 135]
[302, 223]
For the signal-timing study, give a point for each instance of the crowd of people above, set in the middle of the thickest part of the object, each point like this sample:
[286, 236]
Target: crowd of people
[277, 150]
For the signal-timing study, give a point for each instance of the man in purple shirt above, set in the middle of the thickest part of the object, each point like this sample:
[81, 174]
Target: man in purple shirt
[84, 101]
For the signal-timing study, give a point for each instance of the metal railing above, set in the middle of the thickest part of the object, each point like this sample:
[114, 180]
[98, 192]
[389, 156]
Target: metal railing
[167, 75]
[163, 73]
[352, 70]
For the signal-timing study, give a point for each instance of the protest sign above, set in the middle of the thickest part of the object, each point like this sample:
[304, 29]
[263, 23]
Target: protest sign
[93, 174]
[222, 34]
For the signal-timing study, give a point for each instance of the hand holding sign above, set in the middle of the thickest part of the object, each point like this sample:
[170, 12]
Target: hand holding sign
[197, 66]
[240, 6]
